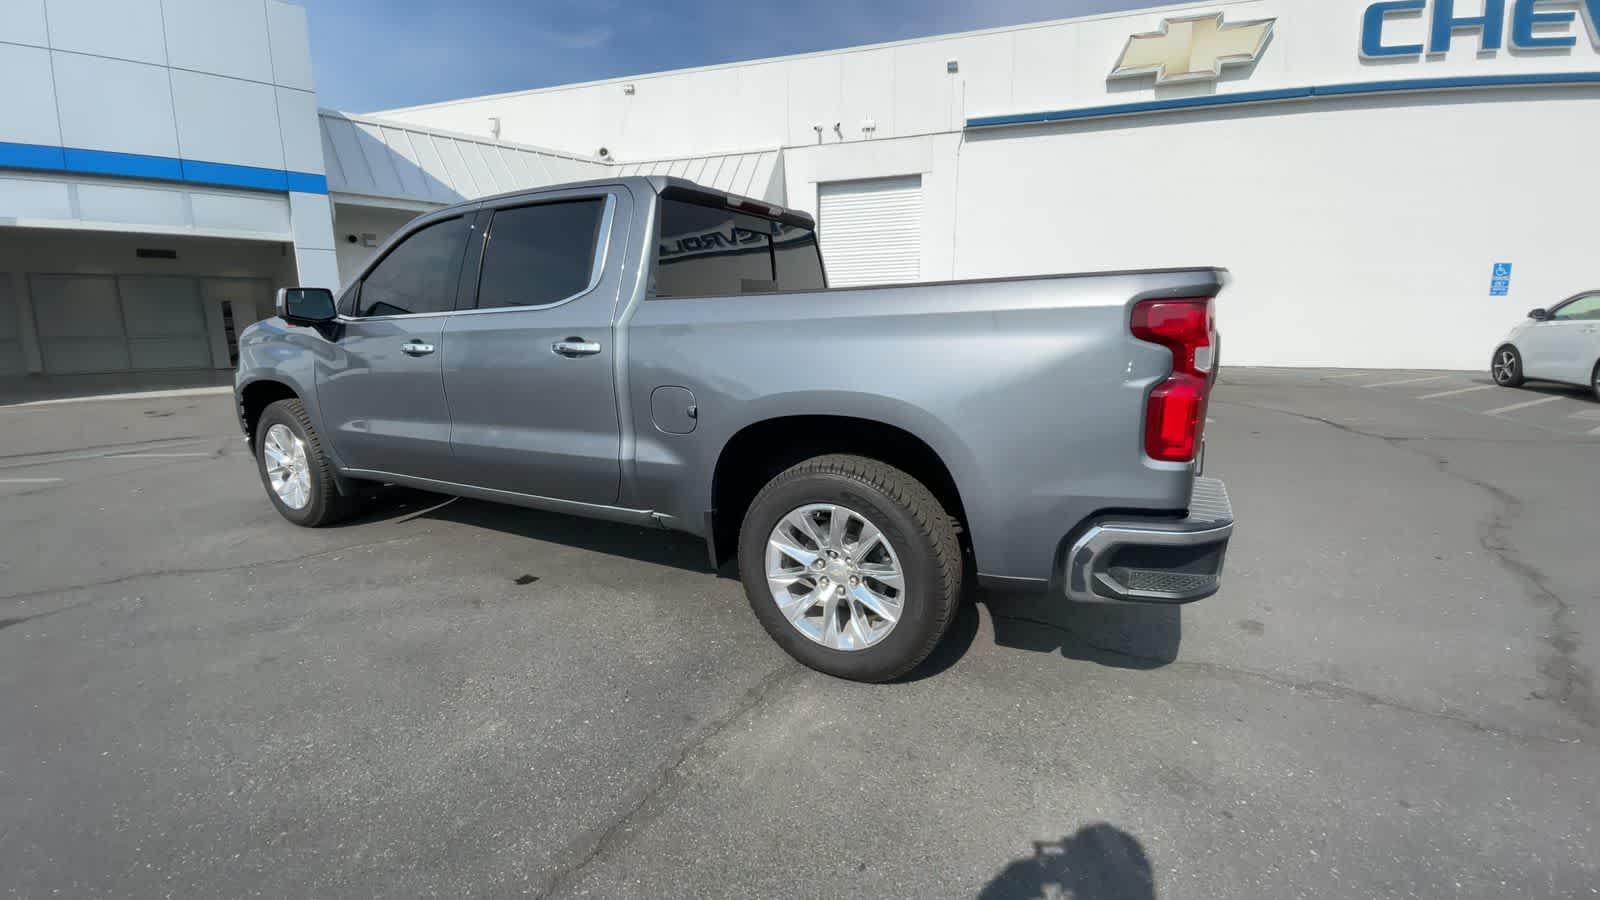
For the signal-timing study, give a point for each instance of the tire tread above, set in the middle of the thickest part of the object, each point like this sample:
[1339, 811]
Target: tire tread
[335, 506]
[924, 508]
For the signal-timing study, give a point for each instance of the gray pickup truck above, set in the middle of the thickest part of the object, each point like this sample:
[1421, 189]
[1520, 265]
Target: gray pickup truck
[649, 351]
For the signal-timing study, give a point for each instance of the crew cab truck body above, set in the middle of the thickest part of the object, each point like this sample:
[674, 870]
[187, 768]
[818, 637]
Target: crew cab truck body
[648, 351]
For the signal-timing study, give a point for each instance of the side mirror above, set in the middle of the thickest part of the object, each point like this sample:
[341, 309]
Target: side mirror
[1539, 315]
[306, 306]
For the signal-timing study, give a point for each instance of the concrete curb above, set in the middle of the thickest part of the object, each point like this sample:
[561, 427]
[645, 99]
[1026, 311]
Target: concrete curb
[131, 395]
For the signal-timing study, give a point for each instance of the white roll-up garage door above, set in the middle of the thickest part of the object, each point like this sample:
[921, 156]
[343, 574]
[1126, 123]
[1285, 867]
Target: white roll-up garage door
[10, 330]
[103, 323]
[871, 231]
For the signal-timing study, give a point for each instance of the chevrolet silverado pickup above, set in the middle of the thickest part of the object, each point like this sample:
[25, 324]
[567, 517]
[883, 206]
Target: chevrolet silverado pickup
[649, 351]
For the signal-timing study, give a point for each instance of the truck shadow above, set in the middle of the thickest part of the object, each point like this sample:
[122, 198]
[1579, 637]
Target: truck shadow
[1133, 636]
[1099, 862]
[651, 545]
[1123, 637]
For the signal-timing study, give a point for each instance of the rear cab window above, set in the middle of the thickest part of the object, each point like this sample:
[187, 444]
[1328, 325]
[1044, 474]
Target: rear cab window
[541, 254]
[707, 250]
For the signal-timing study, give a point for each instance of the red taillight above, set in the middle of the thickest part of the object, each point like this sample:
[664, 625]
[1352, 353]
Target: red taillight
[1176, 412]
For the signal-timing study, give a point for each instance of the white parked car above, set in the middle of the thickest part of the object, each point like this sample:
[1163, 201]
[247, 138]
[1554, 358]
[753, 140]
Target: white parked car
[1558, 344]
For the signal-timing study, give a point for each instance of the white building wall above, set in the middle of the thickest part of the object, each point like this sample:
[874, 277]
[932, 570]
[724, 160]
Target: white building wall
[905, 89]
[1345, 250]
[1360, 231]
[112, 103]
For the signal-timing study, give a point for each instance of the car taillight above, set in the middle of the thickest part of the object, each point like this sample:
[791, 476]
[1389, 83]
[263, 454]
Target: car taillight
[1175, 414]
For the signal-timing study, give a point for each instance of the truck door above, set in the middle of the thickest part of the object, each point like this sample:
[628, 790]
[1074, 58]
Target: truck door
[530, 370]
[379, 382]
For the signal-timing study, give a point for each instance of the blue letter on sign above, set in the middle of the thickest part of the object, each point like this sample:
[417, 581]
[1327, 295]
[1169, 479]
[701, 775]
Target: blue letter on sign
[1445, 23]
[1372, 29]
[1524, 19]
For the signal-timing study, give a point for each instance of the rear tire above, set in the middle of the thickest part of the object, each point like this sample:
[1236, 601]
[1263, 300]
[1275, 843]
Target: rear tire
[918, 550]
[1506, 367]
[295, 470]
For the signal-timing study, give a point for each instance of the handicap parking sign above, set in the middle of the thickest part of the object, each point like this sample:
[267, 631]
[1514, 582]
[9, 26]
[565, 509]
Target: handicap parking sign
[1500, 280]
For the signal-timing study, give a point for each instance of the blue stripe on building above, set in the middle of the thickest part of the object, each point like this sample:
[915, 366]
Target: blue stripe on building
[1305, 93]
[44, 158]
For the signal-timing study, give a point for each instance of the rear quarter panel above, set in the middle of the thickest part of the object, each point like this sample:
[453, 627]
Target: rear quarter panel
[1030, 390]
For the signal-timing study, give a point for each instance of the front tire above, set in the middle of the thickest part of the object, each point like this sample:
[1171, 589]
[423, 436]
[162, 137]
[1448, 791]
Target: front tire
[852, 566]
[1594, 382]
[294, 468]
[1506, 367]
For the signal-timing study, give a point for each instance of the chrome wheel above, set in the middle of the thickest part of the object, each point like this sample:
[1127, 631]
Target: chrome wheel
[835, 577]
[288, 471]
[1504, 369]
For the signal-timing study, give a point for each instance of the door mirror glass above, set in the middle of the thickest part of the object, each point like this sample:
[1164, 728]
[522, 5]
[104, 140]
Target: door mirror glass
[1538, 315]
[306, 306]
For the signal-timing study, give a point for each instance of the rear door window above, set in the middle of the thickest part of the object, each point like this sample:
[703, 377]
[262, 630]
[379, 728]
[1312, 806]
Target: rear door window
[541, 254]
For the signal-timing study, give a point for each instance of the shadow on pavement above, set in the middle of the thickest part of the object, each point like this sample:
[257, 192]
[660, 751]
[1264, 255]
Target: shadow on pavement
[667, 548]
[1100, 862]
[1133, 636]
[1123, 637]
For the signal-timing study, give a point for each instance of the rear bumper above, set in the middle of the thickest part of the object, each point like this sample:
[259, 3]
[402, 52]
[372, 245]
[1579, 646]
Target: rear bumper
[1133, 559]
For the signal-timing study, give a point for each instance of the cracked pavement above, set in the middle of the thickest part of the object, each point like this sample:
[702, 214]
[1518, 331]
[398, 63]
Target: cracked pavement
[1392, 696]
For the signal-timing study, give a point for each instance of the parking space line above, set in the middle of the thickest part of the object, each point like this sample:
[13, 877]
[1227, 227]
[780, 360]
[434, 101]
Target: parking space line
[1595, 431]
[1346, 375]
[1408, 381]
[151, 455]
[1523, 405]
[1468, 390]
[30, 480]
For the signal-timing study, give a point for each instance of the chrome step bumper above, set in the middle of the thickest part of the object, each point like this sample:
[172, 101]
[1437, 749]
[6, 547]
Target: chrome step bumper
[1131, 559]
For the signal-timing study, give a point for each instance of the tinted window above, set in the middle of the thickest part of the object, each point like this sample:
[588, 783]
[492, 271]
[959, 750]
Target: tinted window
[419, 275]
[540, 254]
[798, 261]
[705, 251]
[1585, 308]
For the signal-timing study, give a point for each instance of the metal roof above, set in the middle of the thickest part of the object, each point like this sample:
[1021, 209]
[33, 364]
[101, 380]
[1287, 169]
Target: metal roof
[378, 158]
[758, 174]
[383, 159]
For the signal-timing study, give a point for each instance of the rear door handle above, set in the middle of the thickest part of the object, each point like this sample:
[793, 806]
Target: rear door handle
[416, 348]
[574, 347]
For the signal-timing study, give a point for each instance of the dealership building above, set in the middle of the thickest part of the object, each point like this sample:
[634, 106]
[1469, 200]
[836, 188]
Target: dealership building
[1392, 184]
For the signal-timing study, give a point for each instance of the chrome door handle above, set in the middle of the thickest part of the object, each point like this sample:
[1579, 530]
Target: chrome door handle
[575, 347]
[416, 348]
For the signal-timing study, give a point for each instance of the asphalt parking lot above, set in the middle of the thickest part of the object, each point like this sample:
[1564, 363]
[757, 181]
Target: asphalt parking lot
[1392, 696]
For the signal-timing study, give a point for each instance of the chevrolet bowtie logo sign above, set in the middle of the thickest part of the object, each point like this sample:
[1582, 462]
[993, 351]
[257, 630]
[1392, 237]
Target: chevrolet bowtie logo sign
[1195, 48]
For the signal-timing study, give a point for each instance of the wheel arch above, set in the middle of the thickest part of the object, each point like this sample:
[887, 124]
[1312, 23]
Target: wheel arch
[760, 450]
[255, 397]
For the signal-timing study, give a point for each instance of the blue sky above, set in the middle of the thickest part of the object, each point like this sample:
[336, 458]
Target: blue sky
[380, 54]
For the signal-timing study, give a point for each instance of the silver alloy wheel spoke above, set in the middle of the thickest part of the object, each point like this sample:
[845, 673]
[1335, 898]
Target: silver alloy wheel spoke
[288, 469]
[884, 607]
[1506, 369]
[884, 575]
[866, 541]
[835, 577]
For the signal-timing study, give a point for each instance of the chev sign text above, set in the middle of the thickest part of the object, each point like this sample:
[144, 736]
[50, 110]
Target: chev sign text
[1534, 25]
